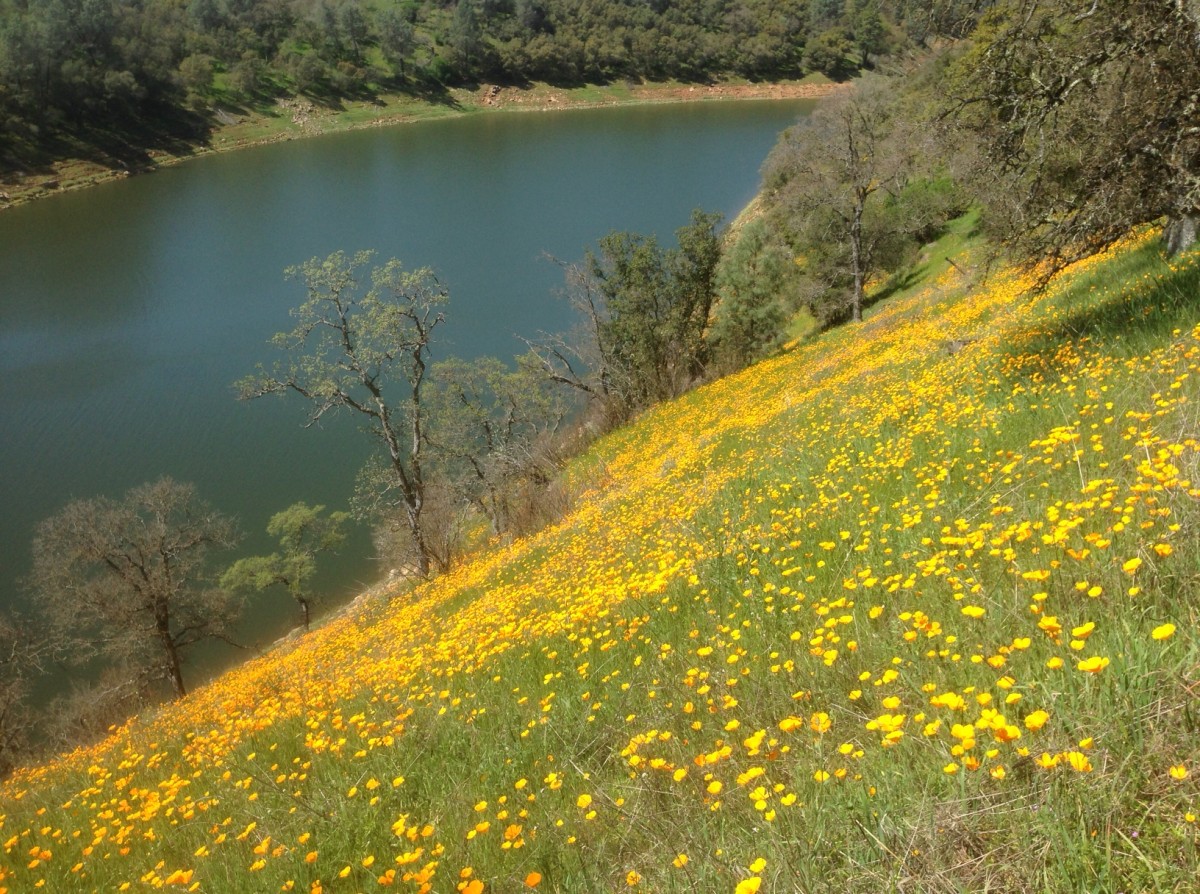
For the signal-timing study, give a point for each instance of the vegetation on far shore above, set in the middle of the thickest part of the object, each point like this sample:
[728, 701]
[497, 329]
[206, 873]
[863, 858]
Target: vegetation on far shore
[298, 117]
[88, 87]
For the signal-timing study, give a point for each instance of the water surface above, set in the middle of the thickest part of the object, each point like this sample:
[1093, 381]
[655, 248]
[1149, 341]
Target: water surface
[127, 310]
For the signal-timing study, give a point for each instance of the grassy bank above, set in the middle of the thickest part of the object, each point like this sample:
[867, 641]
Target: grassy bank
[246, 126]
[910, 607]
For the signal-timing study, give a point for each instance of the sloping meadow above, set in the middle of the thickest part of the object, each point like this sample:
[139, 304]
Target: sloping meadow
[913, 604]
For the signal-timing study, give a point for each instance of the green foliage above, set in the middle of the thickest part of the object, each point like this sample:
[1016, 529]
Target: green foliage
[856, 188]
[196, 72]
[367, 353]
[869, 31]
[830, 179]
[926, 21]
[466, 39]
[1086, 113]
[832, 53]
[755, 297]
[303, 533]
[91, 66]
[643, 312]
[657, 309]
[926, 205]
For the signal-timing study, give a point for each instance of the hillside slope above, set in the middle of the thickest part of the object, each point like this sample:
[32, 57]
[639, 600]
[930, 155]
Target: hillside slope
[912, 606]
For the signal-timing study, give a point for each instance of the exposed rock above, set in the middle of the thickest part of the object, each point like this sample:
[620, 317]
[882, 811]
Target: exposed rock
[1180, 233]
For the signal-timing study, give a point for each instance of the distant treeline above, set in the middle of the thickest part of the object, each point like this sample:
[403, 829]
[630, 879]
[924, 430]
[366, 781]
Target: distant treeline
[136, 68]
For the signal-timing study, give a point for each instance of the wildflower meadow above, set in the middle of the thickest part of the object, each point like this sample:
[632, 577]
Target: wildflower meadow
[910, 606]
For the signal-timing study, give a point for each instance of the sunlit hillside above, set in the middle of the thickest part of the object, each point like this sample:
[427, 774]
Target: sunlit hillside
[910, 607]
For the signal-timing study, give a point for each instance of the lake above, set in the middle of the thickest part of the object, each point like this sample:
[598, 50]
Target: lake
[127, 310]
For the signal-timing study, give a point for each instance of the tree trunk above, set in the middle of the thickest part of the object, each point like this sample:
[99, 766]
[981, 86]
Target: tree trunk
[305, 610]
[162, 625]
[491, 509]
[417, 530]
[409, 480]
[856, 302]
[1180, 233]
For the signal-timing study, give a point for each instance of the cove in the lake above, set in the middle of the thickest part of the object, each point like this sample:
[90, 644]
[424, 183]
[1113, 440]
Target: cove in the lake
[127, 310]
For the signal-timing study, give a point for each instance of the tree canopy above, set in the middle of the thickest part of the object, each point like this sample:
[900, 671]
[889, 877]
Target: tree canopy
[303, 532]
[366, 352]
[121, 77]
[643, 312]
[852, 190]
[129, 579]
[1088, 113]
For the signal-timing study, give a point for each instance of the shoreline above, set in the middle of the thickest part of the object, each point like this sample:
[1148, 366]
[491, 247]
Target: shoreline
[299, 118]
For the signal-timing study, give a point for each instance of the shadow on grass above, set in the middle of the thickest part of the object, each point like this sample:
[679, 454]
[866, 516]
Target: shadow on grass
[897, 283]
[131, 143]
[434, 93]
[127, 144]
[1137, 299]
[334, 100]
[939, 254]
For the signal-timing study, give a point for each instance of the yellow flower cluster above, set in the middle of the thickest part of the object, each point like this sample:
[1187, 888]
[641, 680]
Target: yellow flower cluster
[867, 568]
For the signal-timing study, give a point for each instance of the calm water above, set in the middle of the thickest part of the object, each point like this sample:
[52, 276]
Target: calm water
[127, 311]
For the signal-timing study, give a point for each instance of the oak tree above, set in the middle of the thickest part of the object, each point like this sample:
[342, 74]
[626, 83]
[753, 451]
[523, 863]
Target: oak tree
[303, 532]
[1088, 112]
[831, 177]
[366, 351]
[129, 579]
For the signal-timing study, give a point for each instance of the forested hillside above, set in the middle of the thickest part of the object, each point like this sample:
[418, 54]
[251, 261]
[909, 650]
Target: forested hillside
[1066, 123]
[116, 77]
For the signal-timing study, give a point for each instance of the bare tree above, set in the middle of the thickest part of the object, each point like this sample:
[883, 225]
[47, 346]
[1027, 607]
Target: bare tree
[367, 353]
[18, 661]
[128, 579]
[447, 523]
[92, 706]
[492, 430]
[583, 359]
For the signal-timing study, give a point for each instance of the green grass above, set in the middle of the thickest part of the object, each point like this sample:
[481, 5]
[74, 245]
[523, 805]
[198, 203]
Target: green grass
[761, 578]
[959, 249]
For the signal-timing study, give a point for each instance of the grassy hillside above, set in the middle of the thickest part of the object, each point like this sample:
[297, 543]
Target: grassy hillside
[911, 607]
